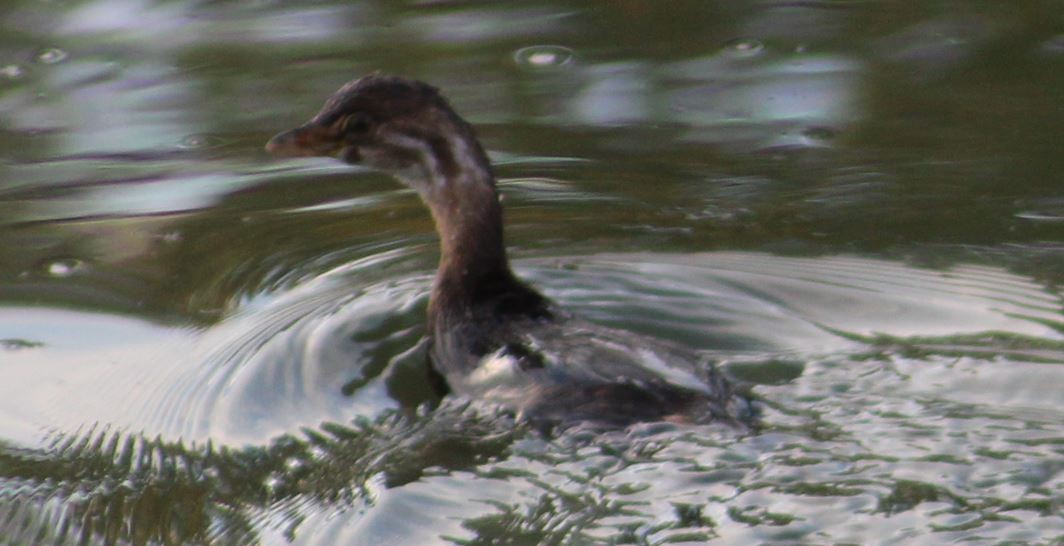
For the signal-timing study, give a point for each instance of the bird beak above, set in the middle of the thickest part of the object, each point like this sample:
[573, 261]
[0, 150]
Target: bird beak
[306, 141]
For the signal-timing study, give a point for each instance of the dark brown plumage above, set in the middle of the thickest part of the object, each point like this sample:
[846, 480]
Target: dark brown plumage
[494, 337]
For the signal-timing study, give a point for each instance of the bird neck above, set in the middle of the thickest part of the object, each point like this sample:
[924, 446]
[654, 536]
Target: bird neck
[472, 253]
[460, 192]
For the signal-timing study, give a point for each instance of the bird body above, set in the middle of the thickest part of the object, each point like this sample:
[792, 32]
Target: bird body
[494, 337]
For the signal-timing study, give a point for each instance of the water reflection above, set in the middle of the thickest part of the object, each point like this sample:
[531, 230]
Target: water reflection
[772, 105]
[110, 486]
[854, 209]
[52, 55]
[398, 477]
[12, 71]
[616, 94]
[933, 47]
[357, 340]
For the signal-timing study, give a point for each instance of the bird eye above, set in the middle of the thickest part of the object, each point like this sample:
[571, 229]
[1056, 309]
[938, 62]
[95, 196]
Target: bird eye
[355, 124]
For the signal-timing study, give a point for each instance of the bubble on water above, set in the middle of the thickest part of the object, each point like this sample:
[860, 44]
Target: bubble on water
[65, 267]
[12, 72]
[52, 55]
[543, 56]
[743, 48]
[198, 141]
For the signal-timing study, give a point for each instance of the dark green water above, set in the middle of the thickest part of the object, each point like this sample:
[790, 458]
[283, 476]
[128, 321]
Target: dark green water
[856, 206]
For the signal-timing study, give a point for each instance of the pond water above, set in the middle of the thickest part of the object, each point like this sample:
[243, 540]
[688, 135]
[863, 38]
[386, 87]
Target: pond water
[855, 207]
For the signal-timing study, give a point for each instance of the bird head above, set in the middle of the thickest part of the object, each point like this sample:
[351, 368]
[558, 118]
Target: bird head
[397, 125]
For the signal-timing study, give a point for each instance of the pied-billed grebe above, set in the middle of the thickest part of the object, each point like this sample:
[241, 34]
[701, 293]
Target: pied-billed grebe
[494, 337]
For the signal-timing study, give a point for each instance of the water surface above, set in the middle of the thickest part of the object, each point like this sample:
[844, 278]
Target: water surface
[855, 207]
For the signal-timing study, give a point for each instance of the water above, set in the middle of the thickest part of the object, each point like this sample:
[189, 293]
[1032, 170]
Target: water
[853, 206]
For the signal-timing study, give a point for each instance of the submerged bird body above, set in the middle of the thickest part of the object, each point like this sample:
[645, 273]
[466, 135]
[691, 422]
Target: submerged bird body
[494, 337]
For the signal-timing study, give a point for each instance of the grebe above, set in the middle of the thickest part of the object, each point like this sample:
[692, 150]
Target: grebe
[492, 336]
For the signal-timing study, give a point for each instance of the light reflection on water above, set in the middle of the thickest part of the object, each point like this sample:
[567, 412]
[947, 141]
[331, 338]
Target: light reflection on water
[864, 388]
[200, 344]
[327, 350]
